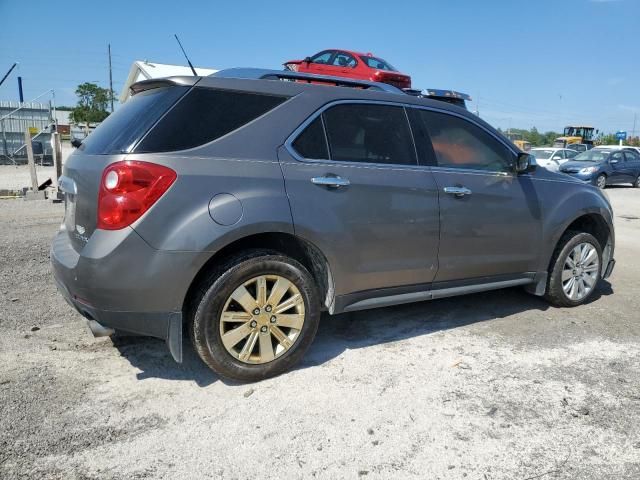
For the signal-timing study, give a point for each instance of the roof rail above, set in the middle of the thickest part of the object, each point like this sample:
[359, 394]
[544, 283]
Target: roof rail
[287, 75]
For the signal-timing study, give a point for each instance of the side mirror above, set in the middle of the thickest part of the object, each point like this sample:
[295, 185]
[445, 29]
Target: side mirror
[76, 143]
[525, 163]
[307, 60]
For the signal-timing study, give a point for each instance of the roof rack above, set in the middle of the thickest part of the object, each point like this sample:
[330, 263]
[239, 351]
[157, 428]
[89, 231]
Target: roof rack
[449, 96]
[265, 74]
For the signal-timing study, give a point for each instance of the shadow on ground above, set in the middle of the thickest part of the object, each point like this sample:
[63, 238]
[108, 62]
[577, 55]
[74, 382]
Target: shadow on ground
[350, 331]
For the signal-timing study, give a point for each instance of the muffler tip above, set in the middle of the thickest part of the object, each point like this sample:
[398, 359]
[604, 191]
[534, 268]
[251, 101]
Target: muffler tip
[99, 330]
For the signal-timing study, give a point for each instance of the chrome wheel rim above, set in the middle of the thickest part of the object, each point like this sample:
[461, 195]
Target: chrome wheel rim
[602, 181]
[580, 271]
[262, 319]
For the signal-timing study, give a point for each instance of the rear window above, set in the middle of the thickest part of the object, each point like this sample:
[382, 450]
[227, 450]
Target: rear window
[122, 129]
[205, 115]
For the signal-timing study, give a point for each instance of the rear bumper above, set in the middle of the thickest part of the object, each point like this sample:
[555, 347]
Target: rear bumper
[164, 325]
[122, 283]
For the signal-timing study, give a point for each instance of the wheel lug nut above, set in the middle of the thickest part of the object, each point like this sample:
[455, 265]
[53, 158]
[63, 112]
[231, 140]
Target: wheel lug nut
[273, 319]
[256, 311]
[263, 329]
[268, 308]
[253, 324]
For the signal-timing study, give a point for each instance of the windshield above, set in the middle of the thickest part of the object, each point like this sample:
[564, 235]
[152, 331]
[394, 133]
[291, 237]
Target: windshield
[378, 63]
[592, 156]
[541, 153]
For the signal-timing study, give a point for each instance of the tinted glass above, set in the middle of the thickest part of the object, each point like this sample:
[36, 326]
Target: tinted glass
[311, 143]
[322, 57]
[570, 153]
[458, 143]
[122, 129]
[344, 60]
[205, 115]
[631, 156]
[378, 63]
[369, 133]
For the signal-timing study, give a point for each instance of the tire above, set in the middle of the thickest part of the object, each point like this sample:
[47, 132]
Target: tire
[601, 181]
[636, 184]
[556, 293]
[248, 360]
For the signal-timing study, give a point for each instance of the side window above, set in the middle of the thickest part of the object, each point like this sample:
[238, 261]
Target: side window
[311, 143]
[343, 59]
[570, 153]
[617, 156]
[631, 156]
[322, 57]
[204, 115]
[458, 143]
[369, 133]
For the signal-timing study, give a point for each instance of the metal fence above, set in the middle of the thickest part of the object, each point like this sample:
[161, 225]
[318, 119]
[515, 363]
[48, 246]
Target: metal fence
[15, 119]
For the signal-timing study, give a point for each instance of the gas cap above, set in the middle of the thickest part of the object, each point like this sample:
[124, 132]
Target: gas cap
[225, 209]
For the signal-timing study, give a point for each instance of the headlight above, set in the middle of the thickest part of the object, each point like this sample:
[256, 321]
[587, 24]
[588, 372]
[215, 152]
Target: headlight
[589, 170]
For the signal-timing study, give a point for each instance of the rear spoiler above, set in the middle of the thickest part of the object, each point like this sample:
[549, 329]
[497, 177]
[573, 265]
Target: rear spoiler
[143, 85]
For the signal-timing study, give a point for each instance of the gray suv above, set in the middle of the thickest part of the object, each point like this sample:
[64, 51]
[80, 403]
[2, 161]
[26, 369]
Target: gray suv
[239, 209]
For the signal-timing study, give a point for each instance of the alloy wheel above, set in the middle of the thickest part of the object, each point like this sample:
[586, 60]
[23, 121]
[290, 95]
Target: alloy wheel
[580, 271]
[262, 319]
[601, 181]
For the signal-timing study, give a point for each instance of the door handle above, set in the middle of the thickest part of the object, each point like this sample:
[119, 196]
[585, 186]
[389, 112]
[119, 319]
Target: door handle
[459, 192]
[331, 182]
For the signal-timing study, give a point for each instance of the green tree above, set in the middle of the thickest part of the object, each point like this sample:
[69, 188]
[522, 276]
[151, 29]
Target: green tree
[92, 103]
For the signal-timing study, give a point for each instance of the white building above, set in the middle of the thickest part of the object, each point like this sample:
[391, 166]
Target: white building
[143, 70]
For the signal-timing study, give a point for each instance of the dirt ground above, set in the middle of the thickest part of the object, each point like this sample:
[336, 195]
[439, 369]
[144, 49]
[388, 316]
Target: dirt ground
[489, 386]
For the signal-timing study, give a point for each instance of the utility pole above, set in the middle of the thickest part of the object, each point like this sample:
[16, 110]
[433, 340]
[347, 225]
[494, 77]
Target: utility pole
[633, 132]
[110, 79]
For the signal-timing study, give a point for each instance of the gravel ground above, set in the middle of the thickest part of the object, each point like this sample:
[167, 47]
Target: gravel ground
[489, 386]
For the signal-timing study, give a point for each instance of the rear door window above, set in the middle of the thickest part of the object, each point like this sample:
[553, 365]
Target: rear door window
[123, 129]
[369, 133]
[205, 115]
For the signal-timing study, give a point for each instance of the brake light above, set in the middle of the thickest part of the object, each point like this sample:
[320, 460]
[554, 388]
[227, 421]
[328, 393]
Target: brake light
[128, 189]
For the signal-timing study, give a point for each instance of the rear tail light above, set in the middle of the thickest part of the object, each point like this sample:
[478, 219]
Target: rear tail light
[128, 189]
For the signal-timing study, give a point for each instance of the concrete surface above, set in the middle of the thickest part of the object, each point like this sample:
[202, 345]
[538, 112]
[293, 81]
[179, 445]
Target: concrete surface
[489, 386]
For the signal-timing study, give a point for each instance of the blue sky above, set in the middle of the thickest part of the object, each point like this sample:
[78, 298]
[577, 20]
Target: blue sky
[526, 63]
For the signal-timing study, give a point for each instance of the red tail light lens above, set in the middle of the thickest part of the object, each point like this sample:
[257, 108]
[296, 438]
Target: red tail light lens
[128, 189]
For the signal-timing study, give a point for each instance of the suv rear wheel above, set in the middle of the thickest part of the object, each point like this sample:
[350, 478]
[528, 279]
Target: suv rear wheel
[575, 269]
[256, 316]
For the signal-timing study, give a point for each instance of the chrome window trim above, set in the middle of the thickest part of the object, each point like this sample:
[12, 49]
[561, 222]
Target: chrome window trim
[288, 143]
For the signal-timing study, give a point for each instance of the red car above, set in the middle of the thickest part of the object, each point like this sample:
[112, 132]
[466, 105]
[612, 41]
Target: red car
[344, 63]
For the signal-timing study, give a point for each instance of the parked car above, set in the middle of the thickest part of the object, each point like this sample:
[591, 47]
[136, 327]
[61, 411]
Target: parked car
[345, 63]
[605, 166]
[580, 147]
[241, 208]
[618, 147]
[552, 158]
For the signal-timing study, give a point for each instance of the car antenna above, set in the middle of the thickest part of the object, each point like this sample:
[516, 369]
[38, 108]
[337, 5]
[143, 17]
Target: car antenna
[185, 56]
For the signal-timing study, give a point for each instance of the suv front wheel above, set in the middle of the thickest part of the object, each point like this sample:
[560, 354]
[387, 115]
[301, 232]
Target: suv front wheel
[256, 316]
[575, 269]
